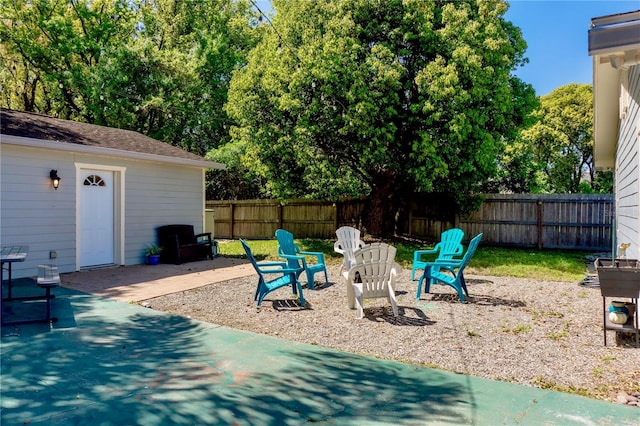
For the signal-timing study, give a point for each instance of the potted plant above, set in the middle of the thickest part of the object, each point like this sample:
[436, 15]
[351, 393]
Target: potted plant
[152, 254]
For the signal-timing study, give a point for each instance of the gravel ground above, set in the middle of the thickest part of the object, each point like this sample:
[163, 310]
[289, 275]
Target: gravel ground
[538, 333]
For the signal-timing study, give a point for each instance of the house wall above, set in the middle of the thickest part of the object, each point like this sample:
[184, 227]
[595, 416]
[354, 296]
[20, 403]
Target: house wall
[628, 165]
[156, 195]
[33, 213]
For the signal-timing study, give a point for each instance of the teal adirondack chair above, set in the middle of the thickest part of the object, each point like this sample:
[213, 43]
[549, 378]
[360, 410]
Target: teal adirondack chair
[448, 272]
[284, 277]
[297, 259]
[450, 246]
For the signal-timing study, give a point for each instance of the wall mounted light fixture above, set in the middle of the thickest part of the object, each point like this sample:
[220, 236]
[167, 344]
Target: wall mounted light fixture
[55, 179]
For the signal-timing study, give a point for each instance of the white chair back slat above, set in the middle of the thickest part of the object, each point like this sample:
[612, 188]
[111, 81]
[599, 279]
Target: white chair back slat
[348, 242]
[372, 276]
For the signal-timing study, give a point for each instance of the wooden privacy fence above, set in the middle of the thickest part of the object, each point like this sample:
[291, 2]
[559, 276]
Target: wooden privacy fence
[571, 221]
[259, 219]
[558, 221]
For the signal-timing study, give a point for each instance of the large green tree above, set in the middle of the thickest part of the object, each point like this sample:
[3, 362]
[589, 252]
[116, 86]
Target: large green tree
[560, 143]
[380, 97]
[161, 67]
[50, 48]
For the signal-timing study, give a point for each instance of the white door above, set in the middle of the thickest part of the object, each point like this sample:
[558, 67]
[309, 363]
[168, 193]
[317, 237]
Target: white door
[96, 218]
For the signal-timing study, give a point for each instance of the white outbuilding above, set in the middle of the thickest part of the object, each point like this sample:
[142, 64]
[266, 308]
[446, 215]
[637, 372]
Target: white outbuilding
[115, 188]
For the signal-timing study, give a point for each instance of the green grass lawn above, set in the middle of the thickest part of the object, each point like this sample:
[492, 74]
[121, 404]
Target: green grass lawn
[547, 265]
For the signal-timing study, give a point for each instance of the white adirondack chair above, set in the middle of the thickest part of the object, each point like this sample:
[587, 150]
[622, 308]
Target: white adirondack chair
[348, 241]
[372, 275]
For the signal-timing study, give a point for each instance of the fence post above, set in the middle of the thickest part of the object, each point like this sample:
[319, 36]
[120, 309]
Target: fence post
[231, 208]
[539, 224]
[335, 216]
[280, 215]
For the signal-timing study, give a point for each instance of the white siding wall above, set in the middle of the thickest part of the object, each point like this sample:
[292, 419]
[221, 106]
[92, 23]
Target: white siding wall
[32, 213]
[627, 177]
[160, 194]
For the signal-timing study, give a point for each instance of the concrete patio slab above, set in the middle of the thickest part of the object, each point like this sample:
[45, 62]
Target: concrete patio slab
[141, 282]
[109, 362]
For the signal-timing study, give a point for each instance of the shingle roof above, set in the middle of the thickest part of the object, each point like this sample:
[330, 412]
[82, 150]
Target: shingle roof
[43, 127]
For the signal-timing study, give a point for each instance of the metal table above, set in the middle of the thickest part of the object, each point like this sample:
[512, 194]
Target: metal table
[10, 255]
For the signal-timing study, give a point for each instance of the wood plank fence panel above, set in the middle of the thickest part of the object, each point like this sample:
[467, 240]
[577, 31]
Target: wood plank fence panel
[577, 221]
[568, 221]
[423, 227]
[309, 219]
[349, 213]
[504, 221]
[256, 220]
[251, 219]
[584, 222]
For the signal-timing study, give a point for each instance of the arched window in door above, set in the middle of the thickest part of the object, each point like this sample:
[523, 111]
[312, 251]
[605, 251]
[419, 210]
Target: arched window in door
[93, 180]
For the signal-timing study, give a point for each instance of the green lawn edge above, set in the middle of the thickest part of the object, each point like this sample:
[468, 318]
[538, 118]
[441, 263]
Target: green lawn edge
[541, 264]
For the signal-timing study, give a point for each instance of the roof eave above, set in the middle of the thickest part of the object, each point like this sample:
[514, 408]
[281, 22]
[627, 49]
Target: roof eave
[109, 152]
[614, 43]
[606, 112]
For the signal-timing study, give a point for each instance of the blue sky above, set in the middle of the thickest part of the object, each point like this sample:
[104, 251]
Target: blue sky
[556, 36]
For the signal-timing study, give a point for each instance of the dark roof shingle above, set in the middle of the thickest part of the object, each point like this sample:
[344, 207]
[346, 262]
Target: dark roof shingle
[43, 127]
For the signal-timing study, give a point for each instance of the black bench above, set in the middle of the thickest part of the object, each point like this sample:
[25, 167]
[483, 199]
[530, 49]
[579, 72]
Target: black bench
[179, 244]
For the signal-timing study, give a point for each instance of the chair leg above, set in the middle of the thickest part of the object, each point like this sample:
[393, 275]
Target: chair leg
[351, 297]
[392, 300]
[604, 320]
[419, 287]
[428, 279]
[310, 281]
[260, 298]
[258, 288]
[300, 294]
[464, 285]
[458, 288]
[357, 290]
[262, 291]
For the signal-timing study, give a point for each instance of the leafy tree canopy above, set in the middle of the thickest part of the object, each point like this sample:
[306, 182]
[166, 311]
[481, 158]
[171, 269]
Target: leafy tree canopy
[561, 141]
[349, 97]
[160, 67]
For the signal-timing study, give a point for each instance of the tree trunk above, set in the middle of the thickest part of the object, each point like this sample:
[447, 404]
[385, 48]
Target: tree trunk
[378, 216]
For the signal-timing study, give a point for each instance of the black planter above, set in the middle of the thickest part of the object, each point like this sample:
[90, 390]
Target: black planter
[619, 278]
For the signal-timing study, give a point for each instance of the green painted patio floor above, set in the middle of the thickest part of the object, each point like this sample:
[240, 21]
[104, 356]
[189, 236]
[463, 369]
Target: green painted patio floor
[111, 363]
